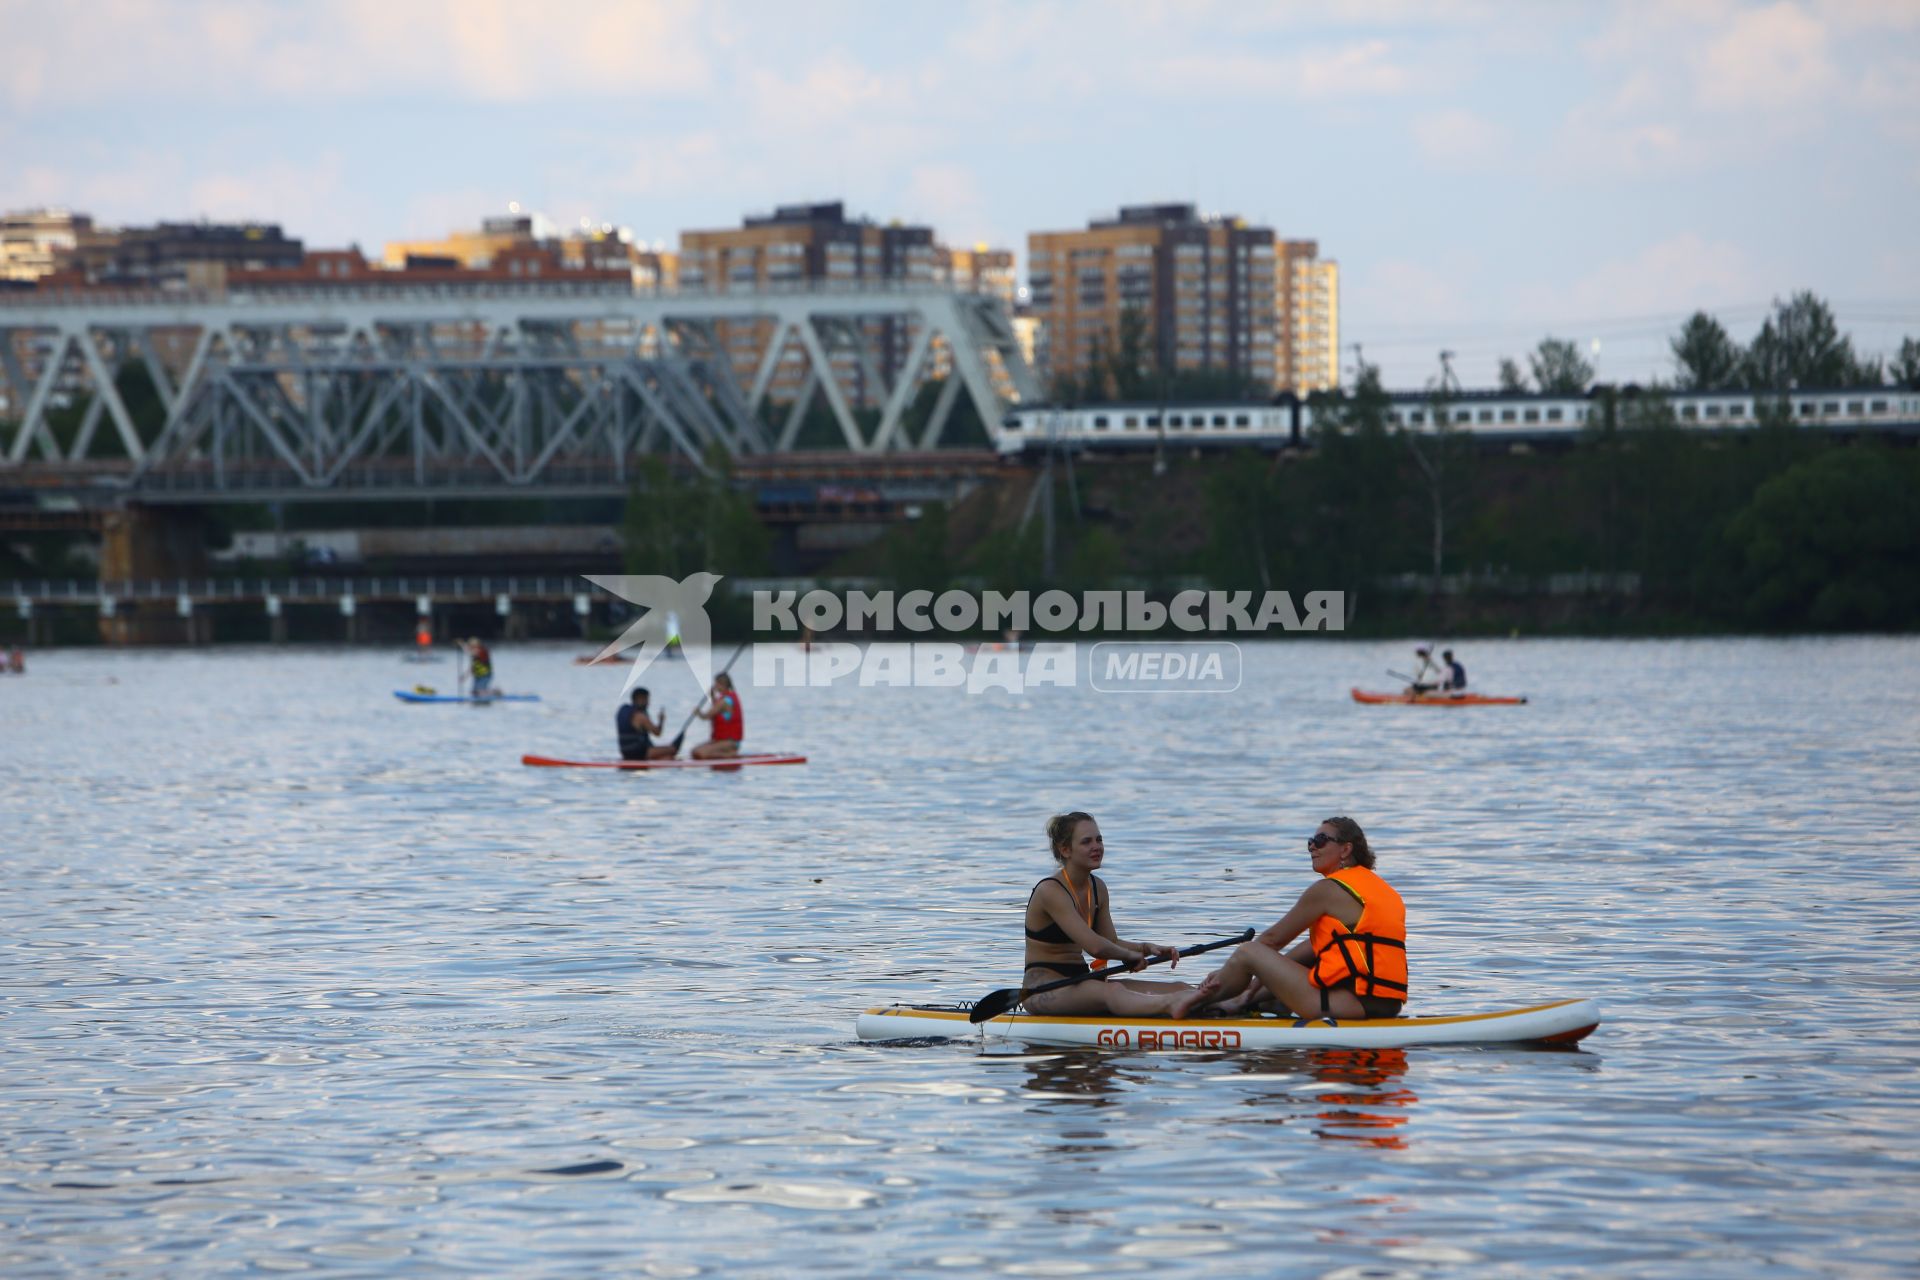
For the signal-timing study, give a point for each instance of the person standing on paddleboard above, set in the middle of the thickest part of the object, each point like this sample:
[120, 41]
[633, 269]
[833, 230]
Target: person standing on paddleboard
[480, 667]
[636, 729]
[1068, 920]
[1354, 961]
[729, 725]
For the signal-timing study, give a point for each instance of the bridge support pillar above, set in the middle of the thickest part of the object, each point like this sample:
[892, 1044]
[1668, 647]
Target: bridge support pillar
[141, 544]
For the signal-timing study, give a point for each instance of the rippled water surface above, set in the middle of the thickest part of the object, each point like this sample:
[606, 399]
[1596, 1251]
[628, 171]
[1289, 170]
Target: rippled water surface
[297, 977]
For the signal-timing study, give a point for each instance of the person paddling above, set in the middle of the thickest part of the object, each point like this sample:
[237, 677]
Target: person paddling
[1068, 919]
[729, 723]
[636, 729]
[480, 667]
[1426, 672]
[1354, 961]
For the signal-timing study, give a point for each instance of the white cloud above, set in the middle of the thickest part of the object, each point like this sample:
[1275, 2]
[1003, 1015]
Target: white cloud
[1775, 58]
[1363, 69]
[1458, 138]
[1680, 273]
[485, 50]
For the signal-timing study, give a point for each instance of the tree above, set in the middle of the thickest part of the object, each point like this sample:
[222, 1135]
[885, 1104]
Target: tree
[1802, 566]
[1906, 366]
[1800, 346]
[1705, 357]
[1512, 381]
[1559, 368]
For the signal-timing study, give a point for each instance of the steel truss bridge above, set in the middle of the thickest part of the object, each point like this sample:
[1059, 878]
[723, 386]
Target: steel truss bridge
[395, 392]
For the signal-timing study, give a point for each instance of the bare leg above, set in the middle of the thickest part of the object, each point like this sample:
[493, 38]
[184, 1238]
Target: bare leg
[1286, 979]
[662, 752]
[720, 749]
[1094, 996]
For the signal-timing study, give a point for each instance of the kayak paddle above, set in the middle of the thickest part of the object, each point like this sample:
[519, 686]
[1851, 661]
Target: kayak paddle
[995, 1003]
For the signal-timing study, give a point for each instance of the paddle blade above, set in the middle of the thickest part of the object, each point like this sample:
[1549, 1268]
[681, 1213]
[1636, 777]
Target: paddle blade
[994, 1003]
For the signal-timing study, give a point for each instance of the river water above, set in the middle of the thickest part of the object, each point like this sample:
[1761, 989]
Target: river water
[299, 978]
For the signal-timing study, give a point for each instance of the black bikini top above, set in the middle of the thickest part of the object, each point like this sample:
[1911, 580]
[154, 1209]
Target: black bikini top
[1053, 933]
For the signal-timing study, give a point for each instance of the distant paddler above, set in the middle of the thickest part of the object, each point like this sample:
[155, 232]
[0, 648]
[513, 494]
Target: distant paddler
[1427, 673]
[722, 708]
[1068, 920]
[636, 728]
[1354, 961]
[479, 667]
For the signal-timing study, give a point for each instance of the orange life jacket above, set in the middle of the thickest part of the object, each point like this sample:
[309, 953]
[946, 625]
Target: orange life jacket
[1374, 951]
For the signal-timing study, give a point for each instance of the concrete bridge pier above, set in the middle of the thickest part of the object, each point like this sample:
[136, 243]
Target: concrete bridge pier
[140, 543]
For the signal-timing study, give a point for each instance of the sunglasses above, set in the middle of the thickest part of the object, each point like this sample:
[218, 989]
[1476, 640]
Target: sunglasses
[1320, 839]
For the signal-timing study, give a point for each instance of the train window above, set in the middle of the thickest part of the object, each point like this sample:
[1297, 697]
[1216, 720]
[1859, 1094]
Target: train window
[1532, 415]
[1486, 415]
[1133, 420]
[1463, 415]
[1831, 406]
[1806, 408]
[1012, 424]
[1879, 406]
[1736, 410]
[1153, 419]
[1241, 420]
[1711, 411]
[1099, 422]
[1416, 417]
[1175, 420]
[1854, 406]
[1689, 413]
[1506, 415]
[1219, 419]
[1553, 415]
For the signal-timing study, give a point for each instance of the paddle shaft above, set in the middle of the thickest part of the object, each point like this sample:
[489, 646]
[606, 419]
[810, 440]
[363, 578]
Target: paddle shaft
[688, 722]
[998, 1002]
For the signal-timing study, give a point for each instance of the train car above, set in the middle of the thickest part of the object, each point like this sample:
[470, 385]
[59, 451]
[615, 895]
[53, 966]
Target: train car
[1489, 416]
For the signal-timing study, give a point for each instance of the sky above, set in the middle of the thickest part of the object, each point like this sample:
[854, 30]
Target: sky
[1486, 174]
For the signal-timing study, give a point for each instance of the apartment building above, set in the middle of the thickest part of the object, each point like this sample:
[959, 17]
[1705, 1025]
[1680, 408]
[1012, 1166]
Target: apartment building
[1306, 353]
[32, 241]
[1203, 287]
[174, 255]
[805, 246]
[601, 247]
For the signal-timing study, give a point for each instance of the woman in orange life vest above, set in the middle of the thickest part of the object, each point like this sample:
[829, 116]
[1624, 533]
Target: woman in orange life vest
[1354, 961]
[1067, 915]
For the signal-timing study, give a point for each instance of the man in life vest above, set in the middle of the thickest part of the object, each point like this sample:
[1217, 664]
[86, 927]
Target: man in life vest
[729, 726]
[636, 727]
[1456, 681]
[1354, 961]
[480, 667]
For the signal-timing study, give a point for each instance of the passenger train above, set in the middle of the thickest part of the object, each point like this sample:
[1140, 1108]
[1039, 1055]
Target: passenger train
[1487, 416]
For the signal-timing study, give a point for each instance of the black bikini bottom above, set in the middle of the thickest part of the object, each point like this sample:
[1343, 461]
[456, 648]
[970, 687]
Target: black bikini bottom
[1064, 970]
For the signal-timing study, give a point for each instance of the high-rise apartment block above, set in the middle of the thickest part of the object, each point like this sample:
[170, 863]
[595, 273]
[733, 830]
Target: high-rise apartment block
[1202, 286]
[804, 245]
[1307, 311]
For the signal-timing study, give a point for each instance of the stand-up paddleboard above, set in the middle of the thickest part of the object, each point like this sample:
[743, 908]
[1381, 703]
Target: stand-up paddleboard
[407, 695]
[719, 762]
[1439, 699]
[1563, 1022]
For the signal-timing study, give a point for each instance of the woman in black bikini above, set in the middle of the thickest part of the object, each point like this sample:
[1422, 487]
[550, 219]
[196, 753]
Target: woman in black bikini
[1067, 920]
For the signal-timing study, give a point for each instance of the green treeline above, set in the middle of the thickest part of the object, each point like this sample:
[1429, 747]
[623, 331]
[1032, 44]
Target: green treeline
[1779, 528]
